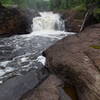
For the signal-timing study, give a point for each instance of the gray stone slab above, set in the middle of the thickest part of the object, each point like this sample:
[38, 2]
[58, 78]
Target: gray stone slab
[14, 88]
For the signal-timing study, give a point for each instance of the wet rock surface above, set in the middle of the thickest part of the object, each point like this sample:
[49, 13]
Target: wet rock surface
[75, 59]
[14, 88]
[50, 89]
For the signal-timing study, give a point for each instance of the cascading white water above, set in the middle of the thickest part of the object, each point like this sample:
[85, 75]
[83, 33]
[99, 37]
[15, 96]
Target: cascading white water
[48, 21]
[49, 24]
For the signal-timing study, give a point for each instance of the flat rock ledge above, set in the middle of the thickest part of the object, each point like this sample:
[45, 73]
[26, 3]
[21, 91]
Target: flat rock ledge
[76, 60]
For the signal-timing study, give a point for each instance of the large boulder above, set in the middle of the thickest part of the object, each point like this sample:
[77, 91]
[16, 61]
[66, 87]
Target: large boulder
[76, 60]
[50, 89]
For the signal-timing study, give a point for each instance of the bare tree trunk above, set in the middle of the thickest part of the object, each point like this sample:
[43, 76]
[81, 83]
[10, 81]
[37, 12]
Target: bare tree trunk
[84, 21]
[88, 14]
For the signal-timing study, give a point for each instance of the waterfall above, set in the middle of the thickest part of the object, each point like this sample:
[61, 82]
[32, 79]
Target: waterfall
[20, 53]
[48, 21]
[48, 24]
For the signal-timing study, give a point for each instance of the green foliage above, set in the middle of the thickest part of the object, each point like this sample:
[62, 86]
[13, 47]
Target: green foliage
[64, 4]
[52, 4]
[80, 8]
[97, 11]
[6, 1]
[36, 4]
[78, 5]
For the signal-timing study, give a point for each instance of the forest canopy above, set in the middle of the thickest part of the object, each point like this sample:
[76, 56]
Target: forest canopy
[64, 4]
[35, 4]
[50, 4]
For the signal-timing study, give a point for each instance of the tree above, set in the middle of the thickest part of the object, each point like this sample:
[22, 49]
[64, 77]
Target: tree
[6, 1]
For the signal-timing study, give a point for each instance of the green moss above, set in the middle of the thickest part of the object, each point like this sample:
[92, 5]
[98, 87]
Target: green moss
[95, 46]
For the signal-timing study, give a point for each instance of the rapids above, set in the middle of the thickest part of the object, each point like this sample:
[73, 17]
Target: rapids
[21, 53]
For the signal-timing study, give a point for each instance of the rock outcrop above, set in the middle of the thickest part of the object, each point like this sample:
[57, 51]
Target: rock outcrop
[74, 20]
[15, 87]
[76, 60]
[50, 89]
[15, 21]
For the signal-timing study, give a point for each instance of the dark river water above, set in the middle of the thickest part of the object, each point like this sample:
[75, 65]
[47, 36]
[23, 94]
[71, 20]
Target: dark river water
[20, 53]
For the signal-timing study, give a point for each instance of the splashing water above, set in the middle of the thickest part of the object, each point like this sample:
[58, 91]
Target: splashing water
[49, 25]
[48, 21]
[21, 53]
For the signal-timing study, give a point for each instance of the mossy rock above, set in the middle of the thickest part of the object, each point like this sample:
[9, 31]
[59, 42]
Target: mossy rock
[95, 46]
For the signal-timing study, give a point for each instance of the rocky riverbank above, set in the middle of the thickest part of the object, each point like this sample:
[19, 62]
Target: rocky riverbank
[14, 20]
[76, 60]
[74, 19]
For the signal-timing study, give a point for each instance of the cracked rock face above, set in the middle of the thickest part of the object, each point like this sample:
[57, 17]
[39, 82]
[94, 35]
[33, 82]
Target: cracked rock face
[76, 60]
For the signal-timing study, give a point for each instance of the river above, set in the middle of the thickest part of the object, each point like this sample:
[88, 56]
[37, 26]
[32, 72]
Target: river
[21, 53]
